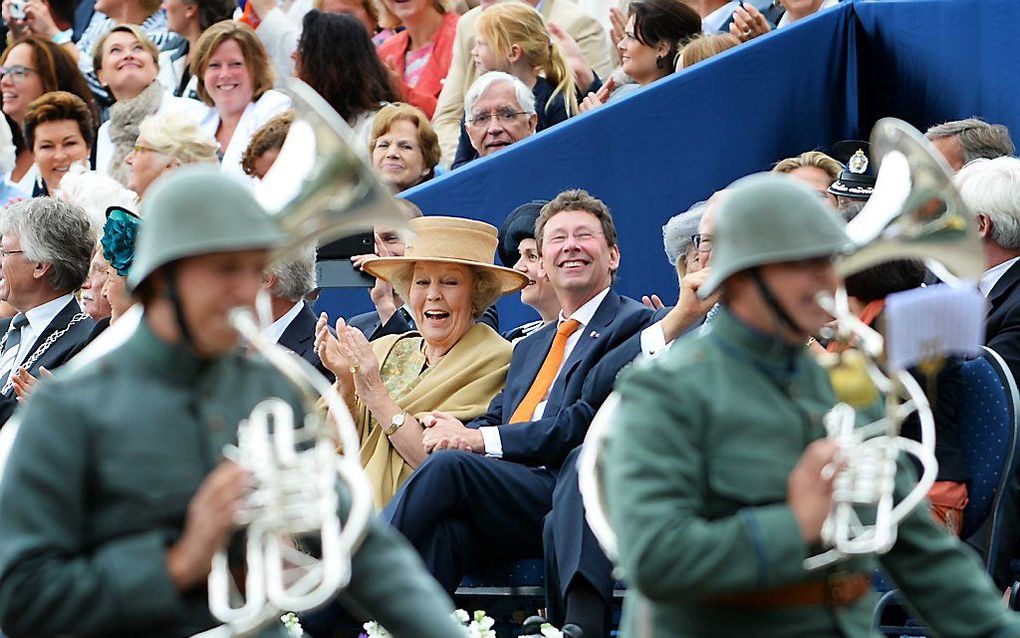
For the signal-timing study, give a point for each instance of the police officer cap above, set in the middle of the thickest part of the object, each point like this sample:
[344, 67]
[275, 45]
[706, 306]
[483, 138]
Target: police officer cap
[196, 210]
[519, 224]
[857, 180]
[768, 219]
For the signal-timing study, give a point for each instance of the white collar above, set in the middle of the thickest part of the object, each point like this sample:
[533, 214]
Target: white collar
[585, 313]
[713, 22]
[991, 276]
[43, 315]
[275, 330]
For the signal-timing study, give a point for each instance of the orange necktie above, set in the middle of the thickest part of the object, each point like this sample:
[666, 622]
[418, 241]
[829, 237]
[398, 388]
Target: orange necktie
[547, 374]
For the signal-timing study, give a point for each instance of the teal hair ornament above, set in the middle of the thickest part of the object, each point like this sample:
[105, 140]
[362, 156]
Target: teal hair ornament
[119, 234]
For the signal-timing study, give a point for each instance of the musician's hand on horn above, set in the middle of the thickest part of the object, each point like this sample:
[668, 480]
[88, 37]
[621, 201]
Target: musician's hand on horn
[209, 523]
[809, 488]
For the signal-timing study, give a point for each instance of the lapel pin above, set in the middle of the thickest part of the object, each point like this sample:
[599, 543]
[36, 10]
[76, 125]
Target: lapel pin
[594, 335]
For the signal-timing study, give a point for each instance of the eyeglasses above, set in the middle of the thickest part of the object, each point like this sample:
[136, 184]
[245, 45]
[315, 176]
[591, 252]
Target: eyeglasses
[581, 237]
[505, 116]
[702, 242]
[138, 148]
[5, 253]
[17, 72]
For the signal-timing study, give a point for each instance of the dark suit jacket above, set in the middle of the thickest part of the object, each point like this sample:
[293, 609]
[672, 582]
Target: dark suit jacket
[299, 338]
[1002, 328]
[567, 415]
[56, 355]
[368, 323]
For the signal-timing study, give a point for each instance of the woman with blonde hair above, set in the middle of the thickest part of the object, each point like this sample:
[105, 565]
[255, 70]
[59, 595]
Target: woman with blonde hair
[704, 46]
[814, 168]
[165, 142]
[512, 37]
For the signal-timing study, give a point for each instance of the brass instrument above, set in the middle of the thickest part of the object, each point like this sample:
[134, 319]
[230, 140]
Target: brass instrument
[321, 195]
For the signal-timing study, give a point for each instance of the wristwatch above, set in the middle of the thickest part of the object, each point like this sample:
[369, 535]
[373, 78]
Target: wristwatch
[396, 423]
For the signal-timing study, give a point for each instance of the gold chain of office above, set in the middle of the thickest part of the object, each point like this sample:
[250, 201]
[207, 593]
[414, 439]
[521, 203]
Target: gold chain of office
[40, 351]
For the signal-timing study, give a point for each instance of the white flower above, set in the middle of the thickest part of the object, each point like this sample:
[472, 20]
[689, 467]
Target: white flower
[293, 625]
[461, 616]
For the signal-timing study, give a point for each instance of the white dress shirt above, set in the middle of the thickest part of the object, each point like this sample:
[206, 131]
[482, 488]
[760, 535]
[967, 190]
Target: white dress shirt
[713, 22]
[583, 315]
[38, 318]
[992, 276]
[275, 330]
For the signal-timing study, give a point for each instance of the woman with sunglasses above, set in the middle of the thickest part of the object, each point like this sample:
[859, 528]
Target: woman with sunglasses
[29, 68]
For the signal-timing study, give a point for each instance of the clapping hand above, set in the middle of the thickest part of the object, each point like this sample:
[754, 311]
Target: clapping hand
[24, 382]
[382, 292]
[583, 75]
[653, 302]
[595, 100]
[364, 366]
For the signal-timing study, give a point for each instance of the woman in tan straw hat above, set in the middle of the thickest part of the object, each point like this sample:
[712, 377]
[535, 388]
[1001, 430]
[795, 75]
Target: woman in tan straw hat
[451, 364]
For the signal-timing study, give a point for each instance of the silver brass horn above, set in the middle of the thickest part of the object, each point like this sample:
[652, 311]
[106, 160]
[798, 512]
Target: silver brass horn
[915, 212]
[298, 550]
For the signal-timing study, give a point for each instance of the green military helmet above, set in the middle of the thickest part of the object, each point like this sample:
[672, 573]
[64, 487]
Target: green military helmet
[195, 211]
[768, 219]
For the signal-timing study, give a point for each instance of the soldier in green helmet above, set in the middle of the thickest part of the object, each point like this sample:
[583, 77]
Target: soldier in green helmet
[111, 509]
[714, 479]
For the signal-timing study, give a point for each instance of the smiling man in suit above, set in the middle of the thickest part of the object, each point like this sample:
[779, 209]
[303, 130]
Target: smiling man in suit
[486, 488]
[45, 251]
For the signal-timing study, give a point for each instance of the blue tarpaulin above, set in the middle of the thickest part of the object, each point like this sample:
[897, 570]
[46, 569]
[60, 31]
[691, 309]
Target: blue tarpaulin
[657, 151]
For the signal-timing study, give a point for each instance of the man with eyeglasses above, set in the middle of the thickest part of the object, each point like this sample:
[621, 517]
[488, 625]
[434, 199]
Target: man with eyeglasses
[499, 111]
[45, 251]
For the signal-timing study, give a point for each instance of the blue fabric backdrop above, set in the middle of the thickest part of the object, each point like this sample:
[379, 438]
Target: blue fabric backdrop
[827, 78]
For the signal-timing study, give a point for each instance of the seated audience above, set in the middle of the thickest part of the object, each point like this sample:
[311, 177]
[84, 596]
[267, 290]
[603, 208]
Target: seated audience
[404, 147]
[678, 239]
[265, 146]
[500, 112]
[964, 141]
[60, 129]
[563, 17]
[703, 47]
[235, 79]
[366, 11]
[448, 278]
[46, 236]
[512, 37]
[289, 283]
[518, 248]
[95, 193]
[127, 64]
[814, 168]
[716, 15]
[493, 485]
[336, 58]
[189, 19]
[93, 301]
[419, 55]
[35, 66]
[165, 143]
[656, 31]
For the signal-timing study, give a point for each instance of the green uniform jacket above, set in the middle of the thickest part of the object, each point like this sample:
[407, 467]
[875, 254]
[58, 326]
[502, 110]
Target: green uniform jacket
[98, 483]
[696, 478]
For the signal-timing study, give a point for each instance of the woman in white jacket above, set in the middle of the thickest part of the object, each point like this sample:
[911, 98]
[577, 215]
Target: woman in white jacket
[235, 78]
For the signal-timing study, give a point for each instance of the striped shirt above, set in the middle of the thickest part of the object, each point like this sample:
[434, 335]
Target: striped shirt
[155, 26]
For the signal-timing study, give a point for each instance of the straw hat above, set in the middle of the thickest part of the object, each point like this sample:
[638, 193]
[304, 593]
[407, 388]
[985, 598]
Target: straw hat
[449, 240]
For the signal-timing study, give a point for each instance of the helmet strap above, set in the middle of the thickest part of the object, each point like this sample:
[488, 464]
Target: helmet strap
[174, 297]
[770, 300]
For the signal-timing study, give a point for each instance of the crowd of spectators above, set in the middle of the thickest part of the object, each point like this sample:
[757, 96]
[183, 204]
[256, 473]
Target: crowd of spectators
[469, 430]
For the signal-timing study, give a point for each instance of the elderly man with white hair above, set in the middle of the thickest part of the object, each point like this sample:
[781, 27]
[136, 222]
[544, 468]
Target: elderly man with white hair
[499, 111]
[991, 190]
[45, 250]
